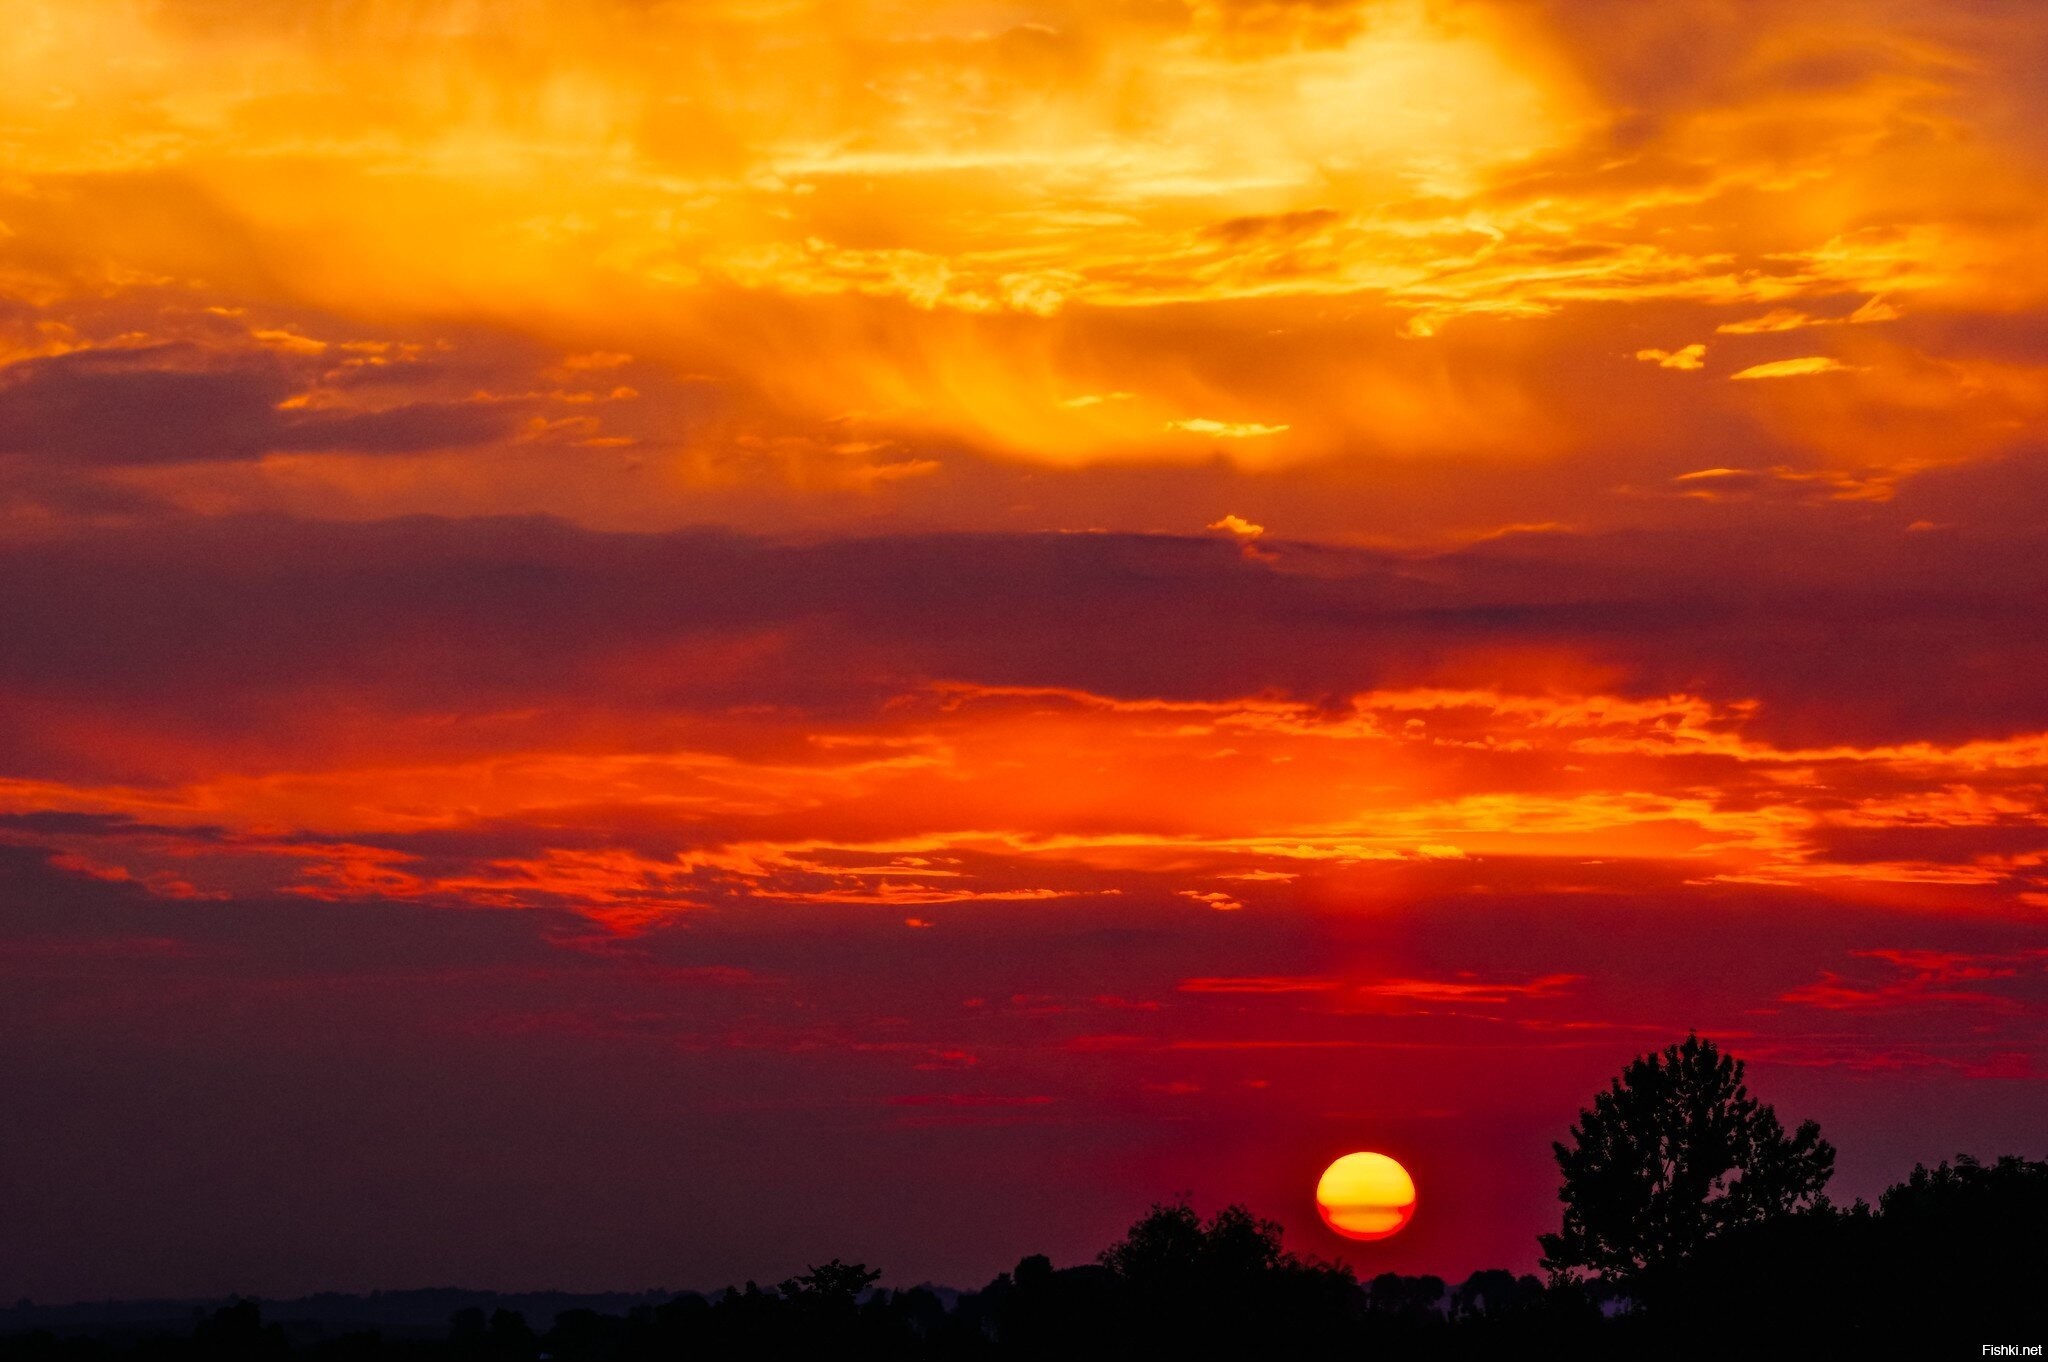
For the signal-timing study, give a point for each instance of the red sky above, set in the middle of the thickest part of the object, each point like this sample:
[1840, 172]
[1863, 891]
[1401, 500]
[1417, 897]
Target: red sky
[650, 642]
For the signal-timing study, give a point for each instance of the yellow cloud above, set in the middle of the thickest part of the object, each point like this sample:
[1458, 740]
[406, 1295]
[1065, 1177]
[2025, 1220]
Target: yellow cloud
[1238, 526]
[1793, 368]
[1777, 319]
[1688, 357]
[1225, 430]
[1791, 319]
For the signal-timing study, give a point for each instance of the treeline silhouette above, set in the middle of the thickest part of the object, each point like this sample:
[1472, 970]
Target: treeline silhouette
[1952, 1257]
[1694, 1227]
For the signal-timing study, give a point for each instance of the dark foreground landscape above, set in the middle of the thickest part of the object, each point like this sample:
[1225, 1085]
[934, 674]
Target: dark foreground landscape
[1694, 1226]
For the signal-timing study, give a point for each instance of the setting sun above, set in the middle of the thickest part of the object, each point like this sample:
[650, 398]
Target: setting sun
[1366, 1196]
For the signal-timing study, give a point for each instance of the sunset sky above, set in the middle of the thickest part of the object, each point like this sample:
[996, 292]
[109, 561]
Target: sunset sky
[646, 641]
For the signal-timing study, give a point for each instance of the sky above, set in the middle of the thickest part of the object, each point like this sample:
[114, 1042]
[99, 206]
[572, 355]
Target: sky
[647, 642]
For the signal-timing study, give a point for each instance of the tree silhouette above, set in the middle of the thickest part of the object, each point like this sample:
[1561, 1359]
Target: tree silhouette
[1495, 1291]
[1675, 1152]
[237, 1333]
[1972, 1232]
[1390, 1293]
[1224, 1287]
[834, 1284]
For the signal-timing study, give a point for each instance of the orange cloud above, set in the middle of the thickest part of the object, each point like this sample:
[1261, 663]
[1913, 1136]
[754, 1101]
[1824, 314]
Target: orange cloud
[1386, 229]
[950, 802]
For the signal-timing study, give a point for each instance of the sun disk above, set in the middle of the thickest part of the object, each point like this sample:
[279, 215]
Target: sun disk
[1366, 1196]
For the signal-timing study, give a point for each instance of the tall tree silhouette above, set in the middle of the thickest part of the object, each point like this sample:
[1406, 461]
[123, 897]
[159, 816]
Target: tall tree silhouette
[1675, 1152]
